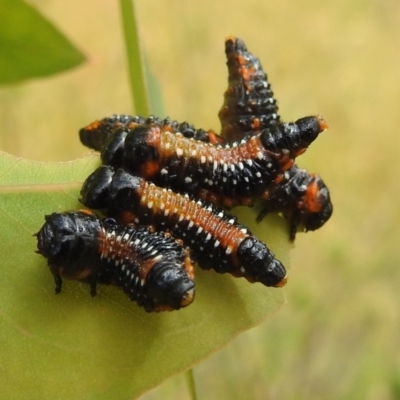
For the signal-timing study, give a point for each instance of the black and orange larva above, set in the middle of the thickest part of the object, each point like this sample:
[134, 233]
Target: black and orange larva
[97, 134]
[234, 174]
[153, 269]
[249, 106]
[302, 198]
[215, 238]
[249, 103]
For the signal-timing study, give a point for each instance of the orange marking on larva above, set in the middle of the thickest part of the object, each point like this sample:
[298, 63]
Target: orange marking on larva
[322, 123]
[240, 60]
[256, 123]
[247, 73]
[85, 211]
[312, 197]
[149, 169]
[93, 126]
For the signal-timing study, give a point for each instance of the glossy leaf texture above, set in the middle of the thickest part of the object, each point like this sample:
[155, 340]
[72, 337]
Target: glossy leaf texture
[30, 45]
[73, 346]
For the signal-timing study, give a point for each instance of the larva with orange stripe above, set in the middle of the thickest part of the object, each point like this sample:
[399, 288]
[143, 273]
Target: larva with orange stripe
[235, 174]
[153, 269]
[249, 103]
[215, 238]
[97, 134]
[249, 106]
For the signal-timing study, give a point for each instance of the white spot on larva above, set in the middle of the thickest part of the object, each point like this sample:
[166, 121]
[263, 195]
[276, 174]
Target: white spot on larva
[179, 152]
[269, 165]
[194, 152]
[246, 179]
[208, 237]
[142, 282]
[126, 236]
[144, 245]
[164, 171]
[166, 212]
[215, 165]
[167, 145]
[202, 159]
[158, 258]
[137, 241]
[228, 250]
[123, 267]
[232, 167]
[220, 214]
[188, 179]
[210, 158]
[180, 218]
[162, 206]
[249, 162]
[260, 155]
[285, 151]
[150, 204]
[217, 243]
[234, 181]
[224, 179]
[241, 165]
[258, 174]
[234, 144]
[231, 221]
[199, 230]
[242, 270]
[243, 230]
[190, 224]
[150, 248]
[136, 220]
[210, 182]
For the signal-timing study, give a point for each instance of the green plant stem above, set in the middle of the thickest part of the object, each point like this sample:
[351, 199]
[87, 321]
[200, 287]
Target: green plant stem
[190, 384]
[136, 69]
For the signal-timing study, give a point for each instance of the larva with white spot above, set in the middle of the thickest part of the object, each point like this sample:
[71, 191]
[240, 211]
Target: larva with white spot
[153, 269]
[234, 174]
[249, 103]
[97, 134]
[215, 238]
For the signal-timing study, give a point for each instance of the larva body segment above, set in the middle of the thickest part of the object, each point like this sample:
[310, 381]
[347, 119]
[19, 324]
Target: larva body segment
[249, 103]
[153, 269]
[215, 238]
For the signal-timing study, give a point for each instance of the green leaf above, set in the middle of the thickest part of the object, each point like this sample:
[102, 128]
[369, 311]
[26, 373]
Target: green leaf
[30, 45]
[74, 346]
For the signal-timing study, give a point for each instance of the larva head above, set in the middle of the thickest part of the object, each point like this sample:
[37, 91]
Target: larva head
[141, 154]
[259, 263]
[317, 204]
[95, 191]
[170, 286]
[114, 149]
[64, 239]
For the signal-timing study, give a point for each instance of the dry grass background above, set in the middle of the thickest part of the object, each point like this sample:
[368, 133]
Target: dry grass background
[338, 336]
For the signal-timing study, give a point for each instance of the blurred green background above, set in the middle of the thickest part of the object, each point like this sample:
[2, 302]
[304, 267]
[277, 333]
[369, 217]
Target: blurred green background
[338, 335]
